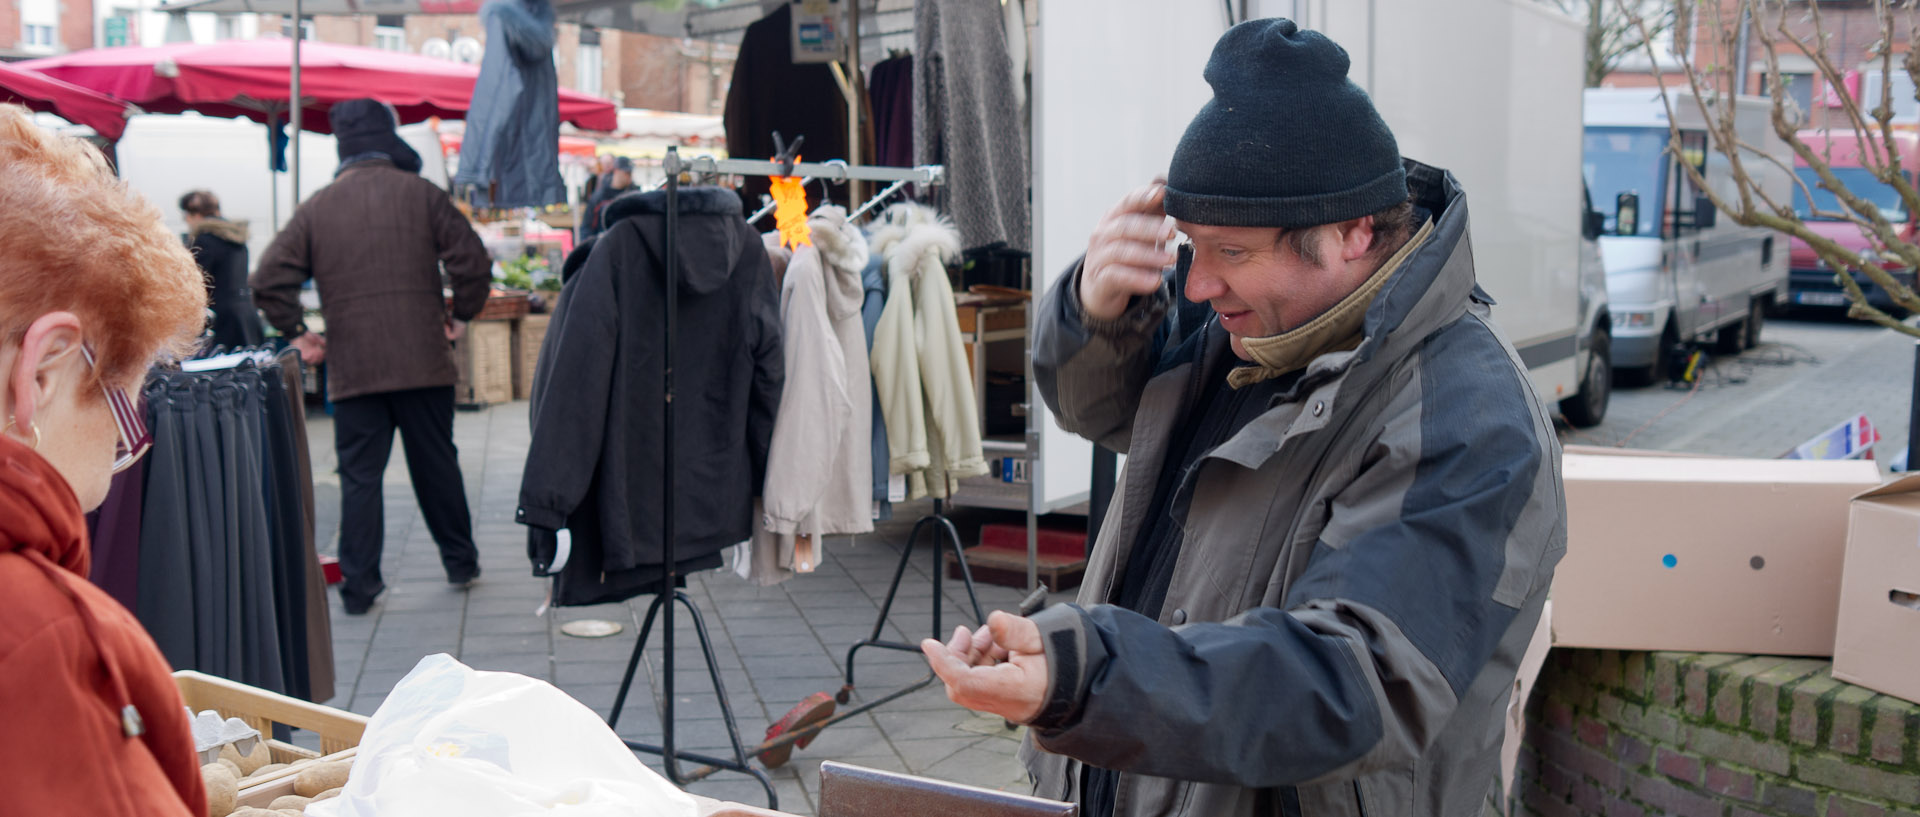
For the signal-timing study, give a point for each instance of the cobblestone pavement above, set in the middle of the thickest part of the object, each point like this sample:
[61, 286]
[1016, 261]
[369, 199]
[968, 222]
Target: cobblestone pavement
[775, 645]
[1810, 373]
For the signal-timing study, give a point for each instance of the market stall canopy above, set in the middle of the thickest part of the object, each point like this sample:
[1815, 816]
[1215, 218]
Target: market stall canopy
[104, 114]
[312, 8]
[883, 23]
[250, 78]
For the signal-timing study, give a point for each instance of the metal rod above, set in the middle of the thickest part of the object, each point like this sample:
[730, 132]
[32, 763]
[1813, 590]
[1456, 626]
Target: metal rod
[876, 200]
[294, 103]
[836, 171]
[671, 261]
[855, 189]
[273, 173]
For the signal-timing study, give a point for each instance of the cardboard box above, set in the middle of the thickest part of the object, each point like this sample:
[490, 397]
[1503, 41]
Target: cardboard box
[1704, 555]
[1880, 593]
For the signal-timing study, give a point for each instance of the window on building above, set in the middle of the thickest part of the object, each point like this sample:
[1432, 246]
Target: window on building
[227, 27]
[38, 36]
[1799, 89]
[306, 28]
[587, 64]
[390, 38]
[1905, 107]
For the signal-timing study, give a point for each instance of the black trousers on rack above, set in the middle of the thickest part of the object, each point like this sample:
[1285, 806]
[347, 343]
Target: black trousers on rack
[363, 441]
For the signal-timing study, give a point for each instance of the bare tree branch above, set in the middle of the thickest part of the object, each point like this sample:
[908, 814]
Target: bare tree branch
[1880, 156]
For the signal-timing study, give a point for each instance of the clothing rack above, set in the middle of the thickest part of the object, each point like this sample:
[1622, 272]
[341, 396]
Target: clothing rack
[664, 602]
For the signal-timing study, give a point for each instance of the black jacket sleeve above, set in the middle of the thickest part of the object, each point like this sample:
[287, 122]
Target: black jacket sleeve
[571, 389]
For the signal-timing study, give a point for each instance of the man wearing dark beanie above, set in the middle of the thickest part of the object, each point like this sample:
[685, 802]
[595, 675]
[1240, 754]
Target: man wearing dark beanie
[374, 243]
[1341, 507]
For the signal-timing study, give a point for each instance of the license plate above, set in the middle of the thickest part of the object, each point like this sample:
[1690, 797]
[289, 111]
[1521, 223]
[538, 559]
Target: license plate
[1820, 298]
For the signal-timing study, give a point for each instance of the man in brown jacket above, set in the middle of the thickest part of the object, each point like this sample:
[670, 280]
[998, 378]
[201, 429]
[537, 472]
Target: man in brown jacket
[375, 242]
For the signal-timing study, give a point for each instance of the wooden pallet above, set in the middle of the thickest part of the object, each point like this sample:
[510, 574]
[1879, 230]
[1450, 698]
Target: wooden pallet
[1008, 568]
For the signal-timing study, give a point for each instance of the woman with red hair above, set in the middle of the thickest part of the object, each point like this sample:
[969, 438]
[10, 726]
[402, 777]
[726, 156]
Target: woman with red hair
[93, 290]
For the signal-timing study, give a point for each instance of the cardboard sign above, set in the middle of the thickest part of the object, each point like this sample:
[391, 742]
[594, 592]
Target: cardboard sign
[818, 32]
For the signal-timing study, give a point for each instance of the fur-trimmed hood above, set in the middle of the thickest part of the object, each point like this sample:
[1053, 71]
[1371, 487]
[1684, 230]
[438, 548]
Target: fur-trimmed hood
[906, 232]
[844, 250]
[234, 231]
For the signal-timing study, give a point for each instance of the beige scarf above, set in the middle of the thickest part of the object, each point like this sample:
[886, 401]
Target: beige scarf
[1335, 330]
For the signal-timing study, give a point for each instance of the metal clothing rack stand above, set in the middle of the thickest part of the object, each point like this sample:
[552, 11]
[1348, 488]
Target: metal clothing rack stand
[670, 594]
[944, 535]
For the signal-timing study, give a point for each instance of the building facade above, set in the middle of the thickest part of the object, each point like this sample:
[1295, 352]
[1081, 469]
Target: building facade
[634, 70]
[1710, 35]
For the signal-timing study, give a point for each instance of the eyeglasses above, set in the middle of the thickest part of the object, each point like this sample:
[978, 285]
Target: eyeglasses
[135, 439]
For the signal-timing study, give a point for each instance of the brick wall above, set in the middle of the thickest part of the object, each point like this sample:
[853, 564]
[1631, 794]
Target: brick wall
[9, 25]
[1634, 734]
[76, 24]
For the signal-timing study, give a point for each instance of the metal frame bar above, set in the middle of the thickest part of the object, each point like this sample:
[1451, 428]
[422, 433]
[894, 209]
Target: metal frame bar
[830, 171]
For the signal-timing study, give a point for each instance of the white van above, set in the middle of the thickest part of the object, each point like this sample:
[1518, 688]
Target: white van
[1676, 271]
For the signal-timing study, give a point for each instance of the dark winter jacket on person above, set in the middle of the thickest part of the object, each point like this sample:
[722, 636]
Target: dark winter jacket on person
[374, 242]
[511, 150]
[94, 722]
[770, 92]
[595, 466]
[1355, 568]
[220, 246]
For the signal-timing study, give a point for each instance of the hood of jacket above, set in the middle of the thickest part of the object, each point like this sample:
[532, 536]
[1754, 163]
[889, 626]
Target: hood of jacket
[38, 510]
[844, 250]
[906, 231]
[234, 231]
[709, 242]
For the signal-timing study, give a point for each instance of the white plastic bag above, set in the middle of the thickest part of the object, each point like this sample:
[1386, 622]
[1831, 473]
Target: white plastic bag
[452, 740]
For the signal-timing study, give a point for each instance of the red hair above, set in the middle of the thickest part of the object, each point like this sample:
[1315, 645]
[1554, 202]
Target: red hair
[74, 238]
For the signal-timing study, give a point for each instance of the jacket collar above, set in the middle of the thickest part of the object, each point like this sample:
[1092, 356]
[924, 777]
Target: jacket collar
[38, 510]
[1430, 290]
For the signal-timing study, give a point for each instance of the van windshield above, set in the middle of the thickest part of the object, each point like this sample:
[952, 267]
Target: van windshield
[1860, 181]
[1626, 160]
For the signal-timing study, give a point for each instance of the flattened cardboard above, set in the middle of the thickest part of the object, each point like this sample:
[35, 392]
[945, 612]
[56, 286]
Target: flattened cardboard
[1878, 642]
[1704, 554]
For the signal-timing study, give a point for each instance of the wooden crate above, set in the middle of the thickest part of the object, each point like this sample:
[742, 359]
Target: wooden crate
[484, 358]
[528, 333]
[339, 731]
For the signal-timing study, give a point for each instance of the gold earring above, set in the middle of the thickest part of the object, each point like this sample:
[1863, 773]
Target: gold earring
[34, 427]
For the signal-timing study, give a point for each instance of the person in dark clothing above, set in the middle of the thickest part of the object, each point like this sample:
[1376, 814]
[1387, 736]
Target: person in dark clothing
[617, 181]
[374, 243]
[220, 247]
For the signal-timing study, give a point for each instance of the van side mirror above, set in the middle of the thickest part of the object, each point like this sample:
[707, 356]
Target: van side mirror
[1593, 224]
[1626, 213]
[1705, 215]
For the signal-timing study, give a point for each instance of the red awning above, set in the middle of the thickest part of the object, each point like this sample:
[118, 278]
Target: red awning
[104, 114]
[250, 78]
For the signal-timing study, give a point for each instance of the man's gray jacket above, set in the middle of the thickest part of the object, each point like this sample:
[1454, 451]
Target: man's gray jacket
[1362, 564]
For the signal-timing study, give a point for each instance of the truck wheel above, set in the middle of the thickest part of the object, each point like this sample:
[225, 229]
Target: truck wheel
[1756, 320]
[1589, 407]
[1656, 372]
[1733, 337]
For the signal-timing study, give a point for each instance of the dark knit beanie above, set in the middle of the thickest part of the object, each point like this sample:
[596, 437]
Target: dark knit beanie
[367, 126]
[1287, 140]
